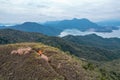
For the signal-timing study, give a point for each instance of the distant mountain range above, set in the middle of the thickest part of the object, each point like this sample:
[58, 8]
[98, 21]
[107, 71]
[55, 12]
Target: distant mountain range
[80, 24]
[109, 23]
[35, 27]
[54, 28]
[1, 26]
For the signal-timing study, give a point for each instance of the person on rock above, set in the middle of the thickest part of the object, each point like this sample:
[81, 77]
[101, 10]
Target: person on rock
[40, 53]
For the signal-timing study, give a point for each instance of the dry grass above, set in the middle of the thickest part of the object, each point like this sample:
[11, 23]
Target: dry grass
[61, 66]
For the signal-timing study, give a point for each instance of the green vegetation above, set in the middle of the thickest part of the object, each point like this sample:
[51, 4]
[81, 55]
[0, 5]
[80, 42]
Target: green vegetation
[82, 51]
[62, 66]
[97, 61]
[95, 41]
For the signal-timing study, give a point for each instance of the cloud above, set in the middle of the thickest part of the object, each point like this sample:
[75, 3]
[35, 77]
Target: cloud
[13, 11]
[75, 32]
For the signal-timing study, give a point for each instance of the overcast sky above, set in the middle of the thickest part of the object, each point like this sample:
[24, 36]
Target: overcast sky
[18, 11]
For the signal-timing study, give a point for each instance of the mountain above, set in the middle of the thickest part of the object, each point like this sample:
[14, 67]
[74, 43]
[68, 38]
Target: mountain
[96, 41]
[14, 36]
[80, 24]
[61, 66]
[113, 65]
[54, 28]
[35, 27]
[1, 26]
[110, 22]
[82, 51]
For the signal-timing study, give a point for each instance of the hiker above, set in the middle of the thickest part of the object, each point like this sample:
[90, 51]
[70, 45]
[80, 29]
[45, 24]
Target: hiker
[40, 53]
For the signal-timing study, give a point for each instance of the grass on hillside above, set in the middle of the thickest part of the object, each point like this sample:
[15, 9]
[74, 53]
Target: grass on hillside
[62, 65]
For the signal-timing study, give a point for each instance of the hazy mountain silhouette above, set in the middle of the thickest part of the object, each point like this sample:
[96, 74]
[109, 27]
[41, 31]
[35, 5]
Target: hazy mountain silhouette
[54, 28]
[110, 22]
[35, 27]
[81, 24]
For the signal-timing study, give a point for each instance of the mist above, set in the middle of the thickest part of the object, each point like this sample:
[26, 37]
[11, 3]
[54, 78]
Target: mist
[76, 32]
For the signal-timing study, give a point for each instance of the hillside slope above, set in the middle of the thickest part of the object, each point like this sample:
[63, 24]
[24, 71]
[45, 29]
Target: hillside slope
[96, 41]
[82, 51]
[61, 66]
